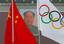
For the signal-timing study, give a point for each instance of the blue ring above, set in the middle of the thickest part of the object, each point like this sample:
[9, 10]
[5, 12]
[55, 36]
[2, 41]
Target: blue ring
[61, 20]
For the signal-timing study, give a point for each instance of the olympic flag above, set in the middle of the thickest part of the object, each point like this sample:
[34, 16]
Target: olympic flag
[50, 21]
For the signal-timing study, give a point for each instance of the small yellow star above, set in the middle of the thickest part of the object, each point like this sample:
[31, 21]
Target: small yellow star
[9, 16]
[15, 21]
[17, 17]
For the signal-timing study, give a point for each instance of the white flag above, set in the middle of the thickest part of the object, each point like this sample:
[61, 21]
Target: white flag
[50, 21]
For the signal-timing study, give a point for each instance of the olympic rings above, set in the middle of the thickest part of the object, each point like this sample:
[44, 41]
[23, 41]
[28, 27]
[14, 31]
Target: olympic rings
[51, 18]
[55, 19]
[44, 21]
[46, 11]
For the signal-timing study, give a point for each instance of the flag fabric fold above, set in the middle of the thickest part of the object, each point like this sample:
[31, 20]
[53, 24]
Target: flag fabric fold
[8, 31]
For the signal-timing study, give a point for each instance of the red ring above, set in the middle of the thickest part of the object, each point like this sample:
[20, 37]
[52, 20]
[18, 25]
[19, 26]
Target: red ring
[40, 8]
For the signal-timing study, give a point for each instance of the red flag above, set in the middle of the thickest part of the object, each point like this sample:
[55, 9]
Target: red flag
[8, 31]
[22, 35]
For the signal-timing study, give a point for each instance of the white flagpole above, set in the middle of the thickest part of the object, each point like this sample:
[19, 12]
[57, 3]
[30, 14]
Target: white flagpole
[37, 22]
[12, 23]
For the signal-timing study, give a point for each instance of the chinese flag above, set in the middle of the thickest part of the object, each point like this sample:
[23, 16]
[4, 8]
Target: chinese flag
[8, 31]
[22, 35]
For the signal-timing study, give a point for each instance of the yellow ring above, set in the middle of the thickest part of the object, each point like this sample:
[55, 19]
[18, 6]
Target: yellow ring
[56, 28]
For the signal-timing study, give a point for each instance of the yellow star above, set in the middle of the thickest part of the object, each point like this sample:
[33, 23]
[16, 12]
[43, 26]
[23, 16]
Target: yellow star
[9, 16]
[15, 21]
[17, 17]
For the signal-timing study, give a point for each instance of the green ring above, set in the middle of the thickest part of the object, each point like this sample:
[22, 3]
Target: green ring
[44, 21]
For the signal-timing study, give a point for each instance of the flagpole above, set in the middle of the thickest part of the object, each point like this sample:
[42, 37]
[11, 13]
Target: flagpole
[12, 23]
[38, 23]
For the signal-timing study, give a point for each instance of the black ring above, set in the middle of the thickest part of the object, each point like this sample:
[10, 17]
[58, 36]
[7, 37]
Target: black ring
[51, 17]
